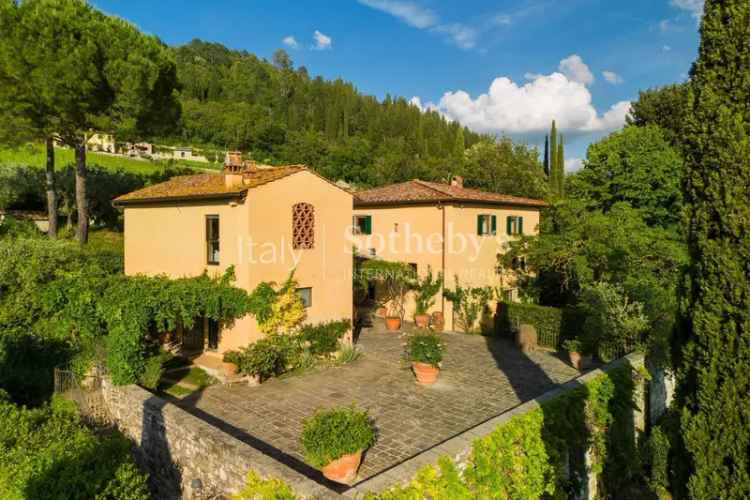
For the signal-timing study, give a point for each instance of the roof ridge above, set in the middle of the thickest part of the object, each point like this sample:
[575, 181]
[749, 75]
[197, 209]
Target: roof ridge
[429, 185]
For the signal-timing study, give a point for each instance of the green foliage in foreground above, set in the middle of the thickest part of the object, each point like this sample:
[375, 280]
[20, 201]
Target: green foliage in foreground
[48, 453]
[526, 458]
[717, 187]
[332, 433]
[257, 488]
[55, 293]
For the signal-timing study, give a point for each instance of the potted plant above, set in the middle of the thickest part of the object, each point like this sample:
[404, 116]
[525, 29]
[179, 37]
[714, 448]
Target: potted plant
[333, 441]
[425, 352]
[438, 321]
[231, 362]
[426, 288]
[394, 280]
[575, 352]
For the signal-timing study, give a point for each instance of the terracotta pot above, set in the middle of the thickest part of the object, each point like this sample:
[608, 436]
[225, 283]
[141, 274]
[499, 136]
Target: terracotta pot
[381, 312]
[422, 320]
[392, 324]
[343, 470]
[426, 373]
[438, 321]
[576, 359]
[230, 369]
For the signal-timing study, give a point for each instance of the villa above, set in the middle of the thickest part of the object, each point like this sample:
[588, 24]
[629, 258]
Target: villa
[446, 228]
[265, 222]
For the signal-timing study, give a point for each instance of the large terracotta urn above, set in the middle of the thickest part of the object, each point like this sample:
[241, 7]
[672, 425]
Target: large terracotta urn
[343, 470]
[426, 373]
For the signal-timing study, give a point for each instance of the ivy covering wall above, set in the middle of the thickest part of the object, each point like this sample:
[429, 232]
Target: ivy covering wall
[542, 452]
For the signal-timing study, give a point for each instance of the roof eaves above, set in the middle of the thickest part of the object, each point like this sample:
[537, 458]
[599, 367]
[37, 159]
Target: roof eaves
[117, 203]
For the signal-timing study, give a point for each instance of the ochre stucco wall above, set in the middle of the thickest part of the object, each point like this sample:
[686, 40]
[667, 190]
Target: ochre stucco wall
[471, 257]
[169, 239]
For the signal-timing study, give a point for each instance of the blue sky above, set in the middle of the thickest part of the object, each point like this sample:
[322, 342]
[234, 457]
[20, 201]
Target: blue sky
[498, 66]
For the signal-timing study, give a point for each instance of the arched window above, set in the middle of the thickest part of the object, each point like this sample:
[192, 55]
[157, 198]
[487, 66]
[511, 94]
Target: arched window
[303, 226]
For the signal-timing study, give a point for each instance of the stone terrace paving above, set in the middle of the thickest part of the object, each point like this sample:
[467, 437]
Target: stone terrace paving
[481, 378]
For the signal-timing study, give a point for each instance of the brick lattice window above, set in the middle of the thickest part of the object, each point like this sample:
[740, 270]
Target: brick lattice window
[303, 226]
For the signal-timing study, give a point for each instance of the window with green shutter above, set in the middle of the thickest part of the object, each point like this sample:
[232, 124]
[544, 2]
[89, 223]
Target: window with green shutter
[362, 224]
[514, 225]
[486, 225]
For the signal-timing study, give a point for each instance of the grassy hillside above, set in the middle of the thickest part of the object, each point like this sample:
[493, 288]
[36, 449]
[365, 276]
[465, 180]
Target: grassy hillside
[33, 155]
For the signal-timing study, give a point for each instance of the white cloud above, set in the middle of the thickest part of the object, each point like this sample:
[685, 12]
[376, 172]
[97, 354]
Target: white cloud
[665, 25]
[464, 37]
[695, 7]
[573, 164]
[290, 42]
[529, 108]
[576, 70]
[322, 42]
[666, 48]
[612, 77]
[532, 76]
[409, 12]
[501, 20]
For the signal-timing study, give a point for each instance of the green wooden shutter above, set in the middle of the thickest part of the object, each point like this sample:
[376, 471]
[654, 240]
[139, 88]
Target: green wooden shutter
[480, 220]
[368, 224]
[520, 225]
[494, 225]
[509, 225]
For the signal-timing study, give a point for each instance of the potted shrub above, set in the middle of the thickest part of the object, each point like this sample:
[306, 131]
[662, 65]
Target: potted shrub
[438, 321]
[333, 441]
[425, 352]
[426, 289]
[575, 353]
[264, 359]
[394, 280]
[231, 363]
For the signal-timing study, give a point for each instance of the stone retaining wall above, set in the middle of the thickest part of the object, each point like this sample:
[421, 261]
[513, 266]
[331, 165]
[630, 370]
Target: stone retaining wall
[188, 458]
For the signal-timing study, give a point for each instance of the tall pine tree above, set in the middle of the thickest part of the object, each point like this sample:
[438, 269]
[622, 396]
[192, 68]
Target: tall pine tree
[716, 377]
[546, 155]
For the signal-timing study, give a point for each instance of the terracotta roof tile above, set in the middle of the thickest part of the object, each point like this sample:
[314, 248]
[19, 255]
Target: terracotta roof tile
[418, 191]
[207, 185]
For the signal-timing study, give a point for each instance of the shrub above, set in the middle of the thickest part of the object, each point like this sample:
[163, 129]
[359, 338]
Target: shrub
[277, 310]
[614, 324]
[232, 357]
[257, 488]
[323, 338]
[426, 288]
[348, 354]
[469, 304]
[48, 453]
[265, 358]
[546, 320]
[424, 348]
[154, 369]
[332, 433]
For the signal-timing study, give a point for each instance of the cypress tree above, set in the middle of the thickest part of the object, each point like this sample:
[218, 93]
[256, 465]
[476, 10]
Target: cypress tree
[546, 155]
[553, 156]
[560, 167]
[716, 368]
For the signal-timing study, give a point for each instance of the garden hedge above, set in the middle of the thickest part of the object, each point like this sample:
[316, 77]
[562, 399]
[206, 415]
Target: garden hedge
[553, 325]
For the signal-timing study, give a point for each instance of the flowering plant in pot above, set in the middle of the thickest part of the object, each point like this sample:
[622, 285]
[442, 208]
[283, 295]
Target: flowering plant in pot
[333, 441]
[393, 282]
[425, 352]
[426, 288]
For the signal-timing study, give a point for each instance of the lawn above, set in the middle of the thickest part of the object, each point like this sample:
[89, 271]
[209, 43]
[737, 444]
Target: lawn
[181, 380]
[34, 155]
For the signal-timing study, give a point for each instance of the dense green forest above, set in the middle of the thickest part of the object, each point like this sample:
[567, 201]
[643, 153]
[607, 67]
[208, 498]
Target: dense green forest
[279, 113]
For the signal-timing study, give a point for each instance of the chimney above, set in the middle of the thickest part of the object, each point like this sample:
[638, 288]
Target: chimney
[233, 168]
[457, 181]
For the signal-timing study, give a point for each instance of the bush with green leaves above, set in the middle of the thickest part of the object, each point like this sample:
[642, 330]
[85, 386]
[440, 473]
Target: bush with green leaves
[424, 347]
[47, 452]
[332, 433]
[470, 304]
[323, 338]
[154, 369]
[426, 288]
[265, 358]
[257, 488]
[393, 280]
[277, 309]
[614, 324]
